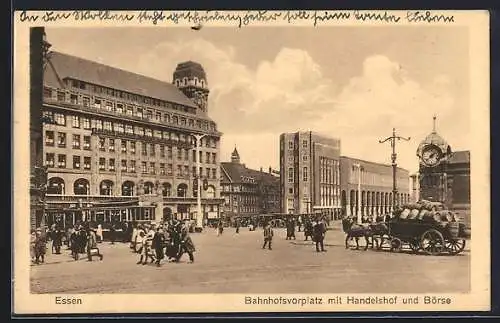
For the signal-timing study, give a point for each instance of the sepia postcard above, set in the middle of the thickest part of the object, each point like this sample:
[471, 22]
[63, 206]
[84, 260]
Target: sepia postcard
[251, 161]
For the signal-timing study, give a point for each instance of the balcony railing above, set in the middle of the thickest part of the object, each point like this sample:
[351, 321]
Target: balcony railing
[168, 142]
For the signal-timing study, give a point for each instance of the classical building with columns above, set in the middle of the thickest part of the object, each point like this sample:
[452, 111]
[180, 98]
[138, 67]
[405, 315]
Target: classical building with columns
[373, 182]
[122, 146]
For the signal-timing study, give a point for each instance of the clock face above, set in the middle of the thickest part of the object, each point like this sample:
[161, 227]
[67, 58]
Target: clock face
[431, 156]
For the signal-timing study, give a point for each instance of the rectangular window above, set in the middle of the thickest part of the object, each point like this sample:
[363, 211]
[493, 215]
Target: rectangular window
[186, 154]
[130, 110]
[169, 152]
[97, 103]
[124, 146]
[86, 101]
[158, 116]
[108, 126]
[119, 108]
[49, 138]
[138, 112]
[179, 170]
[76, 141]
[179, 153]
[86, 123]
[214, 158]
[167, 117]
[132, 166]
[183, 121]
[76, 121]
[162, 169]
[149, 114]
[207, 172]
[76, 162]
[61, 161]
[162, 151]
[109, 106]
[144, 167]
[111, 145]
[193, 171]
[304, 143]
[129, 129]
[102, 163]
[139, 131]
[47, 93]
[207, 158]
[169, 169]
[304, 174]
[124, 165]
[194, 156]
[118, 127]
[149, 132]
[61, 140]
[132, 147]
[290, 175]
[200, 156]
[157, 134]
[60, 119]
[152, 149]
[214, 173]
[305, 157]
[49, 160]
[86, 163]
[191, 123]
[61, 96]
[144, 150]
[200, 171]
[186, 171]
[102, 144]
[98, 124]
[73, 98]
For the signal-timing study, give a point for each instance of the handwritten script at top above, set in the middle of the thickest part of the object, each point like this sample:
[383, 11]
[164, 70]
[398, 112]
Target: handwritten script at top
[240, 19]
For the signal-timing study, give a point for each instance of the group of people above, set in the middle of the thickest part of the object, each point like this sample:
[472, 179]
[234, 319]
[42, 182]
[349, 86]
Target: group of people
[154, 242]
[315, 229]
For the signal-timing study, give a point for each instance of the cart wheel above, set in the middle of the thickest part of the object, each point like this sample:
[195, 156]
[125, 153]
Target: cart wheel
[414, 246]
[454, 246]
[396, 244]
[432, 242]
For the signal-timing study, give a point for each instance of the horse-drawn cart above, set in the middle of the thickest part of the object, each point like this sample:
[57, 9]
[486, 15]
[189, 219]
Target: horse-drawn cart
[427, 230]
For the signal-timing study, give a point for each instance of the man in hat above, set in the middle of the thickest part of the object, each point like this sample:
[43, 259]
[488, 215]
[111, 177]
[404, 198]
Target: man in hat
[157, 244]
[40, 246]
[186, 244]
[92, 244]
[268, 236]
[319, 230]
[57, 235]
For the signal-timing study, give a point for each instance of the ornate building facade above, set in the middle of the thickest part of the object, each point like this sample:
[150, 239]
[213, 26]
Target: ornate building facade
[248, 192]
[122, 146]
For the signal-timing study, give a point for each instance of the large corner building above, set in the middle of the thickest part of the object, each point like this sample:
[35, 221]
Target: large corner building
[120, 146]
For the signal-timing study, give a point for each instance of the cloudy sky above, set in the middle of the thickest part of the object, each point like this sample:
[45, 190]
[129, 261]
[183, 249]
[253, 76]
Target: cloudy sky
[354, 83]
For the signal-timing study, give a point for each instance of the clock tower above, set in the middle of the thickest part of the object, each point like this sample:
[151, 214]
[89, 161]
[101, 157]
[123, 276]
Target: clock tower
[434, 154]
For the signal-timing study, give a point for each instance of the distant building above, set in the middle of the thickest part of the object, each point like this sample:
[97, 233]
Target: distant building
[248, 192]
[444, 175]
[375, 186]
[310, 173]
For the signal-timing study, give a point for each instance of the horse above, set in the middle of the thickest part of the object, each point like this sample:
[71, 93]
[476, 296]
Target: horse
[356, 231]
[379, 230]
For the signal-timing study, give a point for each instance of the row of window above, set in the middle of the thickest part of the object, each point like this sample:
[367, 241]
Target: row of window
[305, 174]
[128, 166]
[132, 110]
[291, 144]
[50, 140]
[123, 128]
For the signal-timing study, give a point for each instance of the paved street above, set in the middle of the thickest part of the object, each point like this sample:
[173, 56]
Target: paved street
[235, 263]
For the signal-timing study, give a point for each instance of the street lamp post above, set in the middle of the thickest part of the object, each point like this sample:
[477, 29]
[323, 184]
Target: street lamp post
[358, 218]
[199, 216]
[392, 140]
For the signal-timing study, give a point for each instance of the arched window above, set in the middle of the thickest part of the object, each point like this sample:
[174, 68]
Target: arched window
[128, 188]
[148, 188]
[56, 186]
[106, 187]
[210, 193]
[81, 187]
[181, 190]
[167, 189]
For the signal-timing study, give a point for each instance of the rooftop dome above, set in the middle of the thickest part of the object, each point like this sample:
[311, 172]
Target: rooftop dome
[436, 140]
[190, 70]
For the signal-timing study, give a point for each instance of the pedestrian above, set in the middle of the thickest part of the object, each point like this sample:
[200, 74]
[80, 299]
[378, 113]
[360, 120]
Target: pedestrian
[99, 233]
[112, 233]
[237, 226]
[57, 236]
[32, 245]
[268, 236]
[299, 226]
[40, 246]
[319, 230]
[158, 243]
[92, 245]
[186, 244]
[145, 250]
[74, 243]
[220, 228]
[307, 229]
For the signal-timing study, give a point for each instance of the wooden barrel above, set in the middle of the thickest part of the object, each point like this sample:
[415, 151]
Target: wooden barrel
[413, 214]
[422, 214]
[404, 214]
[453, 229]
[436, 216]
